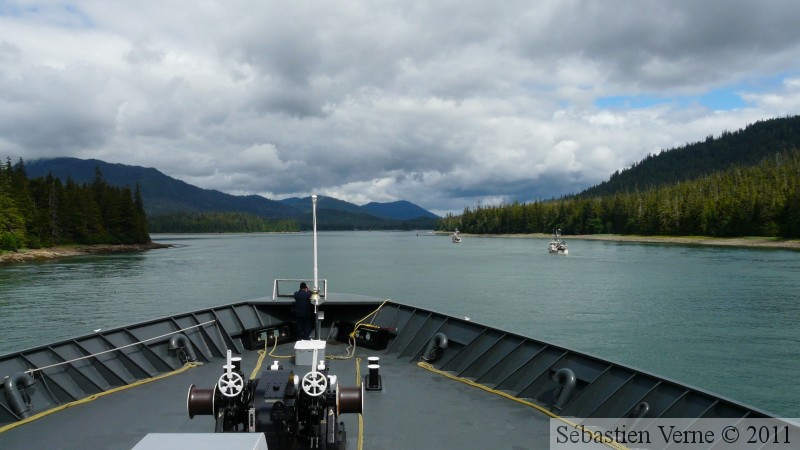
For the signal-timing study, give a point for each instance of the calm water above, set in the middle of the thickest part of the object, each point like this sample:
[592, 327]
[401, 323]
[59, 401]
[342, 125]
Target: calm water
[722, 319]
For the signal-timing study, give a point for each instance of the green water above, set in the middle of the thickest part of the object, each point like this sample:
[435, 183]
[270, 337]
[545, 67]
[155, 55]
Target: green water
[721, 319]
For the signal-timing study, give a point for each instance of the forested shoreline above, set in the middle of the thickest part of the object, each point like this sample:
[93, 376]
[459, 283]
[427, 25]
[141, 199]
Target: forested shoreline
[760, 200]
[44, 212]
[218, 222]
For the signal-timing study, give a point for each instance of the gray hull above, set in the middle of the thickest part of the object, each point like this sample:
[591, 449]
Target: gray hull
[487, 388]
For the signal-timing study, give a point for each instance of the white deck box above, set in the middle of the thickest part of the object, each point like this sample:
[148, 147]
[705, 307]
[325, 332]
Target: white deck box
[304, 352]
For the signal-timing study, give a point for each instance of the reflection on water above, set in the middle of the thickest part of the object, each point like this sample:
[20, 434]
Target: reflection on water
[718, 318]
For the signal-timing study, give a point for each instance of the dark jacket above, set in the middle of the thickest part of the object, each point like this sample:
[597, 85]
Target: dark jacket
[302, 303]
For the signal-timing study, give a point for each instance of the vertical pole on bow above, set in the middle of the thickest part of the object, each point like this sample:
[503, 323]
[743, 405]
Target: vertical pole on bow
[315, 298]
[314, 222]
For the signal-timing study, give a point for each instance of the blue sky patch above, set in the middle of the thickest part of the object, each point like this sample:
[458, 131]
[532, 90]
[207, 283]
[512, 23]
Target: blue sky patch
[722, 99]
[717, 99]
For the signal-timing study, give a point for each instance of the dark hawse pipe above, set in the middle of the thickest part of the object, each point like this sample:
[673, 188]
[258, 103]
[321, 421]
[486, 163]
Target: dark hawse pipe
[13, 389]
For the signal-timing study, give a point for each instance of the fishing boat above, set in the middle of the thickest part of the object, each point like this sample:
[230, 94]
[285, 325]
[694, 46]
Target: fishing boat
[455, 238]
[557, 245]
[377, 374]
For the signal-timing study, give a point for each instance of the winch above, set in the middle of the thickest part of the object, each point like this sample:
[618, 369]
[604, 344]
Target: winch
[289, 409]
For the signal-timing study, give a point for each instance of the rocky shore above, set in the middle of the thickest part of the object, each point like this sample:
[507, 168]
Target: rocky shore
[763, 242]
[43, 254]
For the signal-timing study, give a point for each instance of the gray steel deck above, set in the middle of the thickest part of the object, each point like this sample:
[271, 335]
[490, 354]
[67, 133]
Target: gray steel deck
[416, 408]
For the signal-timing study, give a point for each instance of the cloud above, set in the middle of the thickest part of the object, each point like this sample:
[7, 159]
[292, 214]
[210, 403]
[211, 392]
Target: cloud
[446, 104]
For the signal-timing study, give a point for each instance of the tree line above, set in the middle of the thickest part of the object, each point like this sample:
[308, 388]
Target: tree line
[744, 147]
[218, 222]
[44, 212]
[759, 200]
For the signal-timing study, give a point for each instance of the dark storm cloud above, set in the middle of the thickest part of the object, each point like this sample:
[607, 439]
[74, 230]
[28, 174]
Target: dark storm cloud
[445, 103]
[48, 112]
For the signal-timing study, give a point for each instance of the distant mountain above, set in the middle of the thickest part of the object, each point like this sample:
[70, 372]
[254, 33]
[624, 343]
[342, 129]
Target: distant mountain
[399, 210]
[323, 202]
[163, 194]
[745, 147]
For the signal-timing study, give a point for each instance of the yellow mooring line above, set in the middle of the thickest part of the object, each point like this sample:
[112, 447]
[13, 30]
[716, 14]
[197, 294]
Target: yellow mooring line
[596, 436]
[360, 415]
[94, 397]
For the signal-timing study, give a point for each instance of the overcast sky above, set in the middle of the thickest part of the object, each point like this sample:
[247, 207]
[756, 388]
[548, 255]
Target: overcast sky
[447, 104]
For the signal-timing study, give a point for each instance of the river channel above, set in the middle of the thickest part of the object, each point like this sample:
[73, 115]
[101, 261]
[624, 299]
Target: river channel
[718, 318]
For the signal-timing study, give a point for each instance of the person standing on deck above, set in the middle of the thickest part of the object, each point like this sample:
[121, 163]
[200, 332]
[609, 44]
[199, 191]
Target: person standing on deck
[303, 312]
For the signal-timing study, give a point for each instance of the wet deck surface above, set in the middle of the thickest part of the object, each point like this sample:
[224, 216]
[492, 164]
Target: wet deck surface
[416, 409]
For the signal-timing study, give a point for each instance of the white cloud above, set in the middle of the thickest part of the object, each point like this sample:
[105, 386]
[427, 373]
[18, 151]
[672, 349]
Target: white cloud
[446, 104]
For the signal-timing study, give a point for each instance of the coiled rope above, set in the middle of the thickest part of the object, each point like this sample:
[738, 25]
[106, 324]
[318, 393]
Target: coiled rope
[351, 349]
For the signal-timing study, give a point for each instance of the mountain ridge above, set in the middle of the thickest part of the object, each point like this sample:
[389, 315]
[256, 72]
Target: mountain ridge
[163, 194]
[747, 146]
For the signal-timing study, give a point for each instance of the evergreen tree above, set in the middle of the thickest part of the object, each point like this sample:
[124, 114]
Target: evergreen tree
[43, 212]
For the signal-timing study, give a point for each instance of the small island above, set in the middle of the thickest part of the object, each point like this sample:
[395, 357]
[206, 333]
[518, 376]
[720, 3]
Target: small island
[43, 218]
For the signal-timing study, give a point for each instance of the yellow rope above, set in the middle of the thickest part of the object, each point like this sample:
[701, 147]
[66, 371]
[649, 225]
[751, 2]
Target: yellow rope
[358, 324]
[352, 336]
[597, 437]
[93, 397]
[262, 353]
[360, 415]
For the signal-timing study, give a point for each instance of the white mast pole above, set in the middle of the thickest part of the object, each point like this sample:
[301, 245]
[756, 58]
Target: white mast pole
[315, 298]
[314, 219]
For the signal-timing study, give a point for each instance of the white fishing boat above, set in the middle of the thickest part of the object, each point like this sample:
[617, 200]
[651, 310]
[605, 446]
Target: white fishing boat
[557, 245]
[456, 239]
